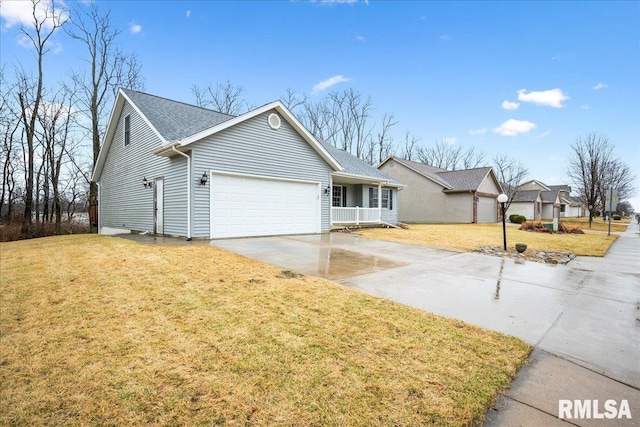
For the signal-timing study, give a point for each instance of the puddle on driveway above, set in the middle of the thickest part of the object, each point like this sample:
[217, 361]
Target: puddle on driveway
[337, 264]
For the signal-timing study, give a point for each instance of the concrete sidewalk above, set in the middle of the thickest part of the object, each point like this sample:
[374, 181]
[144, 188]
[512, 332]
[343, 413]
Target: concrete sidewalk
[585, 357]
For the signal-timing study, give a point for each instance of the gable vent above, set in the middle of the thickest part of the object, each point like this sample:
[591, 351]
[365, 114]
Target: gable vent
[274, 121]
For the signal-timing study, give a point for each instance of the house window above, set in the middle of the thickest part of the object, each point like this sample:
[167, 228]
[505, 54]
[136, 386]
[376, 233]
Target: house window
[387, 198]
[127, 130]
[338, 196]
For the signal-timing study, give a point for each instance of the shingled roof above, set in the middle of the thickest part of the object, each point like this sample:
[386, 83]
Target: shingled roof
[452, 181]
[355, 166]
[526, 196]
[175, 120]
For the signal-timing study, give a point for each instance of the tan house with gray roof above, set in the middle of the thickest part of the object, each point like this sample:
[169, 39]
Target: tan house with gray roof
[434, 195]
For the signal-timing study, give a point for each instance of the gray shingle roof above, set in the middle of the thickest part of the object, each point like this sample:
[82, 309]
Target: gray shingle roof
[465, 179]
[458, 180]
[173, 119]
[526, 196]
[549, 196]
[353, 165]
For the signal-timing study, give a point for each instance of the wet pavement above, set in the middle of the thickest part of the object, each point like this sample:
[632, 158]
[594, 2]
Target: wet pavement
[583, 319]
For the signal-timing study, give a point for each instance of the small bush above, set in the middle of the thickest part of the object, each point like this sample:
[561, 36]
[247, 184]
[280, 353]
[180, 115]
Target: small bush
[616, 217]
[517, 219]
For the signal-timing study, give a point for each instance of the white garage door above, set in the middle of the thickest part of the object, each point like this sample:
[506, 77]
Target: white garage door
[487, 211]
[243, 206]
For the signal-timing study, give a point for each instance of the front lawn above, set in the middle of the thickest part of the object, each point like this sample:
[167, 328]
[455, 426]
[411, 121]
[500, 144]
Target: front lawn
[468, 237]
[103, 331]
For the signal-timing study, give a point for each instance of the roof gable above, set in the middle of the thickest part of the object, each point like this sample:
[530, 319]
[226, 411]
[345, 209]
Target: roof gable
[427, 171]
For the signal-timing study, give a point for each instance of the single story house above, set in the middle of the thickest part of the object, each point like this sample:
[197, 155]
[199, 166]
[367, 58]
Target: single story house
[552, 205]
[171, 168]
[527, 203]
[434, 195]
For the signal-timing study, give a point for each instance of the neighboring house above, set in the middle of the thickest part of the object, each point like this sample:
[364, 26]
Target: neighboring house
[574, 207]
[527, 203]
[171, 168]
[553, 205]
[434, 195]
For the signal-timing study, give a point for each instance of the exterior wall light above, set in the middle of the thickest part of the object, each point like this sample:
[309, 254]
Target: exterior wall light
[204, 178]
[327, 190]
[146, 184]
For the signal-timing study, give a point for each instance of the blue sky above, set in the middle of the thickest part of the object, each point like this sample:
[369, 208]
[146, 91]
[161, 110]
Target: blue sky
[523, 78]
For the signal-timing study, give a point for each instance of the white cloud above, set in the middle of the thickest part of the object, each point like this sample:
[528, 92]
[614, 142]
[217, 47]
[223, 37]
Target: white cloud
[135, 28]
[188, 14]
[21, 13]
[360, 38]
[450, 140]
[551, 98]
[508, 105]
[514, 127]
[555, 57]
[325, 84]
[445, 37]
[584, 106]
[600, 85]
[481, 131]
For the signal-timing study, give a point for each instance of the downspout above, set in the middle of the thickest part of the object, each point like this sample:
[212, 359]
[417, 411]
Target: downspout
[99, 208]
[173, 147]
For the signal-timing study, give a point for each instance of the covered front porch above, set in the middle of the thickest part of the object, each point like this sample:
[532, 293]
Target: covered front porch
[358, 200]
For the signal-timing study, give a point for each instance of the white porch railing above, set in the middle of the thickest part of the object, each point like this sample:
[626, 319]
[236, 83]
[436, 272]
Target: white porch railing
[355, 215]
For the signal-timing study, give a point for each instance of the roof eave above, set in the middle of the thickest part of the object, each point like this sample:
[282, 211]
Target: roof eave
[373, 180]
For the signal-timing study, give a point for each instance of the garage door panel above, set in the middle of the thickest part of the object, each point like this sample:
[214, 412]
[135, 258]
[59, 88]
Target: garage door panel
[487, 211]
[251, 206]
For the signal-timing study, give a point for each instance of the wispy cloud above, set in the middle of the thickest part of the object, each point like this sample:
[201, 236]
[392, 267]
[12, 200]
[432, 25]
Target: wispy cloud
[445, 37]
[135, 28]
[326, 84]
[600, 86]
[360, 38]
[585, 106]
[514, 127]
[329, 2]
[450, 140]
[509, 105]
[556, 57]
[475, 132]
[188, 14]
[551, 98]
[544, 134]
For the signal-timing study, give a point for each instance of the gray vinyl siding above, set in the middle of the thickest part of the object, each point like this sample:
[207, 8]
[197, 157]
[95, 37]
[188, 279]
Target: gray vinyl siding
[253, 148]
[124, 202]
[423, 201]
[489, 186]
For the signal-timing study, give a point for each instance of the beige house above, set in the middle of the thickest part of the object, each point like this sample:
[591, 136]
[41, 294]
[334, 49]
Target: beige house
[434, 195]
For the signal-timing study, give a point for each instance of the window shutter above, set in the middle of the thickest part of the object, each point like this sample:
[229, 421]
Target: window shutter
[390, 199]
[344, 196]
[371, 197]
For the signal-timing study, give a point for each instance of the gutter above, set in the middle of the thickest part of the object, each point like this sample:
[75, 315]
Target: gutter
[173, 147]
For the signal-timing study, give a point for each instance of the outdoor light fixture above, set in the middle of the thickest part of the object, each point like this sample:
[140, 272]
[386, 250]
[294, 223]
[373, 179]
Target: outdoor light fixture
[327, 190]
[204, 178]
[502, 199]
[146, 183]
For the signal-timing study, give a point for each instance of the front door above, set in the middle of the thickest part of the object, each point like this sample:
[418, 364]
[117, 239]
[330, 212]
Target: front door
[158, 206]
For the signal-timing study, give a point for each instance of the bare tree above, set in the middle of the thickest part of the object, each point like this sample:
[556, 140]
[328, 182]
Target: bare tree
[510, 173]
[445, 155]
[292, 101]
[227, 98]
[109, 68]
[593, 168]
[46, 20]
[10, 134]
[410, 147]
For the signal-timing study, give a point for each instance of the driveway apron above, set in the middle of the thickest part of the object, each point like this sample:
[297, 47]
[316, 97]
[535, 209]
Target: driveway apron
[583, 319]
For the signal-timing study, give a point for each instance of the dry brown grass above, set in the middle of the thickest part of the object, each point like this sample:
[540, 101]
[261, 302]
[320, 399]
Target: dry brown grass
[468, 237]
[104, 331]
[598, 224]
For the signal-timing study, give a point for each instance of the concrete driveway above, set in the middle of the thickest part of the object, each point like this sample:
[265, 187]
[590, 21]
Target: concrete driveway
[583, 319]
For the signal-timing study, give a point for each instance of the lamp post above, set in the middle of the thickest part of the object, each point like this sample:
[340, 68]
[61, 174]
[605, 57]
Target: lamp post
[502, 199]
